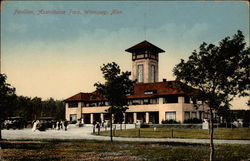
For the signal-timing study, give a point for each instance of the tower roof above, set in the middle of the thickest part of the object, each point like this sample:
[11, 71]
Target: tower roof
[144, 45]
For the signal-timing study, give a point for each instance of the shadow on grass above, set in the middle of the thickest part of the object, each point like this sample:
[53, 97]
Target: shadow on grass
[46, 149]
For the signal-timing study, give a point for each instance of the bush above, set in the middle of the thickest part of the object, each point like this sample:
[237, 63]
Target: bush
[144, 125]
[169, 122]
[178, 126]
[193, 121]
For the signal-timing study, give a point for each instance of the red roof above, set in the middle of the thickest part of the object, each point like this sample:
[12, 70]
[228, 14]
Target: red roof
[157, 89]
[145, 45]
[161, 89]
[85, 97]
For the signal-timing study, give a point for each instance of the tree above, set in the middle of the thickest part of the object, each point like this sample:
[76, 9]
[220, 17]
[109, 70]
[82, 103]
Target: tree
[219, 72]
[115, 89]
[7, 95]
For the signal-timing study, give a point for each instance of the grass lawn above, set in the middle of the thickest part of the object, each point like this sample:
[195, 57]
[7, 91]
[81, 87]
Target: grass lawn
[102, 150]
[235, 133]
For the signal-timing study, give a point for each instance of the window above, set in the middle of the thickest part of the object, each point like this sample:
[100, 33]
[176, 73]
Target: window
[187, 99]
[73, 104]
[92, 104]
[154, 101]
[171, 99]
[72, 117]
[152, 73]
[136, 102]
[150, 92]
[140, 73]
[83, 104]
[194, 115]
[106, 103]
[170, 115]
[187, 115]
[145, 101]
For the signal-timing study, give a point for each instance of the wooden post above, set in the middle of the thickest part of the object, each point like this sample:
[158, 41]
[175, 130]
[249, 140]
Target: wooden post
[114, 130]
[99, 130]
[172, 133]
[93, 129]
[139, 132]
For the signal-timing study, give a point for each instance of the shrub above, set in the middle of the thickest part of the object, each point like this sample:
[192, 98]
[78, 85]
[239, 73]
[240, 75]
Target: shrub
[169, 122]
[193, 121]
[144, 125]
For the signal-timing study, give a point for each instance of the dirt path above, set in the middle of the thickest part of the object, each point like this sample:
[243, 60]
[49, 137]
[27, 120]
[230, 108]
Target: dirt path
[85, 133]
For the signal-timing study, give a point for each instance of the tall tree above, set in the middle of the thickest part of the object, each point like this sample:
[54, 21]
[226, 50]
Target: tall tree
[7, 96]
[115, 89]
[219, 72]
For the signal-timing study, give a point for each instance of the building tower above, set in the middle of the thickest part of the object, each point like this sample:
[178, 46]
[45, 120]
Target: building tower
[145, 58]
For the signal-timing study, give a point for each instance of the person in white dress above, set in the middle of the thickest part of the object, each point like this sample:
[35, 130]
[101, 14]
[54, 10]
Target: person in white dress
[35, 125]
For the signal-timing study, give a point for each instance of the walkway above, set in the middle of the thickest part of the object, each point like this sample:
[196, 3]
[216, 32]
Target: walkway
[85, 133]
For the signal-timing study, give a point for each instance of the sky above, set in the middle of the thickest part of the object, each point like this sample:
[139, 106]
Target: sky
[55, 48]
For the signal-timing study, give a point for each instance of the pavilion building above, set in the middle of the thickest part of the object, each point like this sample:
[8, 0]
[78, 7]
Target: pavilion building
[150, 102]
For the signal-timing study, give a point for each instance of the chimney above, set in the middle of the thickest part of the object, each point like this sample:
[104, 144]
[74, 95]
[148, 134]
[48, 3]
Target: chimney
[164, 80]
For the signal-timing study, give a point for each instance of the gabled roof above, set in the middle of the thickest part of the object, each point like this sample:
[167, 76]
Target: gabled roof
[162, 89]
[85, 97]
[143, 46]
[139, 89]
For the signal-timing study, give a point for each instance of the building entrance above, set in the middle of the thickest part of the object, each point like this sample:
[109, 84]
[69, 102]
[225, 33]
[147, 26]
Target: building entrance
[86, 118]
[154, 117]
[141, 116]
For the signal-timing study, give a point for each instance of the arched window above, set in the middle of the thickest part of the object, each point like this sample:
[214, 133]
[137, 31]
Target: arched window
[140, 73]
[152, 73]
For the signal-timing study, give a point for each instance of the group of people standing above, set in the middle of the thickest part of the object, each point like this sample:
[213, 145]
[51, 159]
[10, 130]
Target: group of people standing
[42, 125]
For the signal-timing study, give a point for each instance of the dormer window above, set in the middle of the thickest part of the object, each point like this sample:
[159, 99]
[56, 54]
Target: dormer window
[150, 92]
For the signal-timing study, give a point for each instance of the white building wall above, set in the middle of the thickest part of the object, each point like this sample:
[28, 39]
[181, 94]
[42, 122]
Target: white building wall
[180, 108]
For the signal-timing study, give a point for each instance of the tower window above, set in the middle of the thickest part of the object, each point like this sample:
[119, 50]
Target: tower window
[152, 73]
[140, 73]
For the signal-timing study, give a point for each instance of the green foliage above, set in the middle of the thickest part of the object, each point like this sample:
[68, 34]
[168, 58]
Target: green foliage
[165, 132]
[193, 121]
[29, 108]
[219, 72]
[115, 89]
[32, 108]
[7, 95]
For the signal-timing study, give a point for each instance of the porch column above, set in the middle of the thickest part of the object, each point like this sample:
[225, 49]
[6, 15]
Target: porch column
[91, 118]
[161, 100]
[181, 99]
[135, 117]
[113, 118]
[124, 118]
[102, 118]
[147, 117]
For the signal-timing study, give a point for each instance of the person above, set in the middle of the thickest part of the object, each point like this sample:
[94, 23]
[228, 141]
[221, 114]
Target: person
[53, 124]
[65, 124]
[57, 125]
[61, 124]
[103, 123]
[35, 125]
[98, 127]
